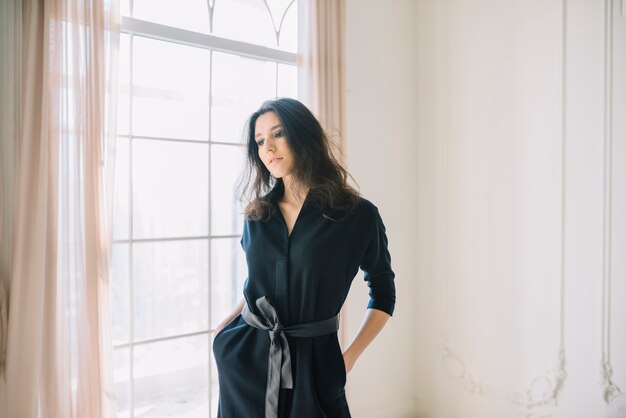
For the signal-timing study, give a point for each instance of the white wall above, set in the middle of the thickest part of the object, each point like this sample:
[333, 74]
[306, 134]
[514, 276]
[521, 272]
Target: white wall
[492, 135]
[511, 185]
[380, 152]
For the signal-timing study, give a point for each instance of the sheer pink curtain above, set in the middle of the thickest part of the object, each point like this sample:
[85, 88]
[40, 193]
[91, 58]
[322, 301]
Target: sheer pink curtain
[10, 30]
[321, 72]
[59, 351]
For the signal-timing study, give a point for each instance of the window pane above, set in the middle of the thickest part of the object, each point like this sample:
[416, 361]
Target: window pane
[125, 7]
[170, 288]
[121, 376]
[287, 81]
[170, 90]
[170, 189]
[244, 20]
[240, 85]
[119, 293]
[226, 169]
[186, 14]
[121, 213]
[228, 273]
[171, 378]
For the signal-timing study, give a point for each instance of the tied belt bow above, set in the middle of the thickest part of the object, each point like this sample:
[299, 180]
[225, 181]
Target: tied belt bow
[279, 363]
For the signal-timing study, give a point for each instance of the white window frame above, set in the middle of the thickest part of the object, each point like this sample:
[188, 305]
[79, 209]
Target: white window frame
[137, 27]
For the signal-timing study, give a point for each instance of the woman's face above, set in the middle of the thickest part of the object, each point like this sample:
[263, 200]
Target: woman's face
[274, 150]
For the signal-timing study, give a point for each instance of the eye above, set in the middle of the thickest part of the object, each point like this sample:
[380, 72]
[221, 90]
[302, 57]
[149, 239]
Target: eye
[278, 134]
[260, 143]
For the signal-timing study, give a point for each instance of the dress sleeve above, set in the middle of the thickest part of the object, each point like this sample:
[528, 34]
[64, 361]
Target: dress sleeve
[376, 264]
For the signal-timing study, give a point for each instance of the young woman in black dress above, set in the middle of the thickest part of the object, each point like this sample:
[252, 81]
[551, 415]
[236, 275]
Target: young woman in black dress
[306, 234]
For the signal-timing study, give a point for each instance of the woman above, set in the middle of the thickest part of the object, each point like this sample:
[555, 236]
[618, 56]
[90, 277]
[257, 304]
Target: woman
[306, 234]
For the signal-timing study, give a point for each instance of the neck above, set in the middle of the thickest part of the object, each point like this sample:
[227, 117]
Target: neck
[290, 194]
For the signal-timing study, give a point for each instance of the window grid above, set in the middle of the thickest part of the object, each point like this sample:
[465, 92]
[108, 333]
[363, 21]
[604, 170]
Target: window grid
[132, 27]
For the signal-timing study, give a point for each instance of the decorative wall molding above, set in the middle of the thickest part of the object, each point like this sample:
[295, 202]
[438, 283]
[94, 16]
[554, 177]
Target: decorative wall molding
[455, 368]
[612, 394]
[543, 390]
[617, 407]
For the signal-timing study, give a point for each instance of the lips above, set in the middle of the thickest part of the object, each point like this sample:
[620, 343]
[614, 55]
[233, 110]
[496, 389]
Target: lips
[273, 160]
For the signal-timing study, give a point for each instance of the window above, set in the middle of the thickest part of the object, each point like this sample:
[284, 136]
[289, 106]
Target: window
[191, 72]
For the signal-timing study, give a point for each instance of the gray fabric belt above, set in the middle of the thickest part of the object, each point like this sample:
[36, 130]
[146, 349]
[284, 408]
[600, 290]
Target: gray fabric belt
[279, 365]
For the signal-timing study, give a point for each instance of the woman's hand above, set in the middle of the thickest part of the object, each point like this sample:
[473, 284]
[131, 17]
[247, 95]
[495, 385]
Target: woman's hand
[349, 361]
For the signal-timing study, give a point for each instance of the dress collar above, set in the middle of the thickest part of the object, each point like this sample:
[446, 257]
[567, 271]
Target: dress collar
[311, 203]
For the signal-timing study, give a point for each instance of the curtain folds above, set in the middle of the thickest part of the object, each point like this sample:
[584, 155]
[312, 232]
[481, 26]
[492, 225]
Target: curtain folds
[321, 63]
[58, 343]
[10, 30]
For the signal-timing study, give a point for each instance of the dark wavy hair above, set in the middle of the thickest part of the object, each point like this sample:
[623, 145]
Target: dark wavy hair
[314, 166]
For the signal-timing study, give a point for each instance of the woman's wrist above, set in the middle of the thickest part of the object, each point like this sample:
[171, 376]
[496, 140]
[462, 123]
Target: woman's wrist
[372, 324]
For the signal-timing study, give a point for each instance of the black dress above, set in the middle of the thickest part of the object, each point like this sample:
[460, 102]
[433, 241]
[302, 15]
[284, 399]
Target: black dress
[307, 276]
